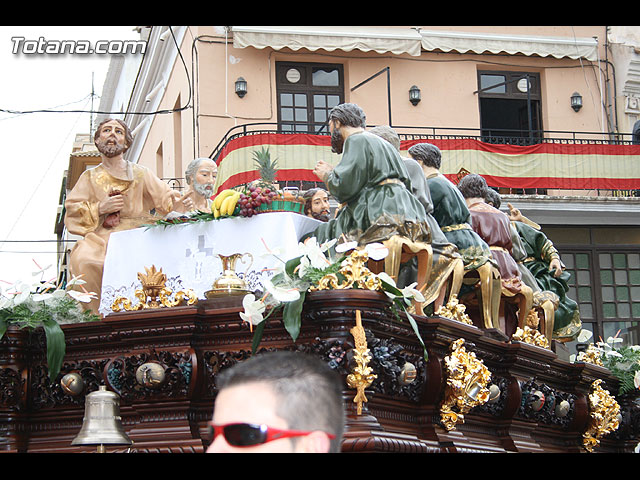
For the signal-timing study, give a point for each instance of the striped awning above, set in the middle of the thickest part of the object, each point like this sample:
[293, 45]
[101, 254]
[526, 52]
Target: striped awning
[546, 165]
[396, 40]
[472, 42]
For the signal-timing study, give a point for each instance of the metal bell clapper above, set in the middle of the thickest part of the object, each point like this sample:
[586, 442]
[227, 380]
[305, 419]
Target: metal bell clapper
[102, 424]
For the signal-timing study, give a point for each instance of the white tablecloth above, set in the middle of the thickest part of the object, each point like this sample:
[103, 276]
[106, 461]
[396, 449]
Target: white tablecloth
[188, 253]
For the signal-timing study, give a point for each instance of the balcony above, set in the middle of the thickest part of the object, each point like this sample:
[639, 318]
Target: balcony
[549, 163]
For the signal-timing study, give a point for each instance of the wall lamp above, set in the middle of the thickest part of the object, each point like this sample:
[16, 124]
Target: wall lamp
[241, 87]
[576, 101]
[414, 95]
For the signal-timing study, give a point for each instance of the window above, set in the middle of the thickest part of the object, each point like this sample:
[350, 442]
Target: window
[306, 93]
[605, 278]
[510, 107]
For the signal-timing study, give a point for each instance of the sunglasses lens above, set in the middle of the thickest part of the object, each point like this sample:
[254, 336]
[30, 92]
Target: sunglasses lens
[244, 435]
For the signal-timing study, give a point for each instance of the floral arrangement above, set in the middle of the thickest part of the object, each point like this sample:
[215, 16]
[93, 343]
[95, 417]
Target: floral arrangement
[44, 304]
[321, 264]
[622, 360]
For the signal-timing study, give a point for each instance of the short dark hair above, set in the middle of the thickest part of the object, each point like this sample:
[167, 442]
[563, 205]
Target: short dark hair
[388, 133]
[472, 186]
[128, 137]
[493, 197]
[349, 114]
[309, 392]
[426, 153]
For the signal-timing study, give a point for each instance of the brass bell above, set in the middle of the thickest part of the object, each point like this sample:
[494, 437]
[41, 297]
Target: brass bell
[102, 424]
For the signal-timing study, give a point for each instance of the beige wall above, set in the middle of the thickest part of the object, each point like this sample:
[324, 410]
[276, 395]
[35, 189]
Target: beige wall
[447, 82]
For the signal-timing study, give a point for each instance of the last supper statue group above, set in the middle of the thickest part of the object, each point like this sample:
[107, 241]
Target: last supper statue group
[452, 241]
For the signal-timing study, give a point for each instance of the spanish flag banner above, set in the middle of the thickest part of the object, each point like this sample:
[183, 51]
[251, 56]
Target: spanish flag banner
[545, 165]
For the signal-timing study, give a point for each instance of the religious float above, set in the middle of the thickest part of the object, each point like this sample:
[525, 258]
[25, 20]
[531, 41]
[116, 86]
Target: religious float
[185, 299]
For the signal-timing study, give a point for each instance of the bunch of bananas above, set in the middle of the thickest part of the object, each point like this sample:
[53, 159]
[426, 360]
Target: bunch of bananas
[225, 203]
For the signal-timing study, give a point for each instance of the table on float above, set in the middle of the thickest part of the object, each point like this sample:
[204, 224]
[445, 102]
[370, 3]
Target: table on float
[188, 254]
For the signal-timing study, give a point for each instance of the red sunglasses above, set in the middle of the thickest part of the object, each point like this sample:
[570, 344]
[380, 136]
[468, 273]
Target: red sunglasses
[251, 434]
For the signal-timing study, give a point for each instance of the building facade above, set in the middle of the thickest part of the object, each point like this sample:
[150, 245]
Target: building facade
[545, 113]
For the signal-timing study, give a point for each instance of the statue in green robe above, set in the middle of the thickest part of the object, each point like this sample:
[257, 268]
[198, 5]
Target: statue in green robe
[371, 183]
[450, 209]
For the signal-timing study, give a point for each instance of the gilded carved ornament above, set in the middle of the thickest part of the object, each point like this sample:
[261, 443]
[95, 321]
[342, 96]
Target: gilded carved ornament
[154, 293]
[605, 416]
[466, 386]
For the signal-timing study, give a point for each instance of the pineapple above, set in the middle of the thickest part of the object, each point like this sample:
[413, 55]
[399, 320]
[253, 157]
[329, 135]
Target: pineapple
[267, 168]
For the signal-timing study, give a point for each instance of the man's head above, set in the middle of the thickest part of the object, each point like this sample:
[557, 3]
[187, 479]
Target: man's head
[201, 173]
[472, 186]
[316, 204]
[493, 198]
[426, 154]
[344, 115]
[387, 133]
[281, 390]
[112, 137]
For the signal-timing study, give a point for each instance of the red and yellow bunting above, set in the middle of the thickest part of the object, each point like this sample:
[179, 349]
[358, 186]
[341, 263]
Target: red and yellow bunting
[546, 165]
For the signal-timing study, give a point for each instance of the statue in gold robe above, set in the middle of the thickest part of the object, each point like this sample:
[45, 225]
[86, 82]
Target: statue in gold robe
[113, 196]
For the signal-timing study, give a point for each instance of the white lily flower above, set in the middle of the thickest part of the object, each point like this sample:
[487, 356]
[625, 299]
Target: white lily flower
[253, 309]
[346, 246]
[384, 276]
[376, 251]
[613, 353]
[315, 252]
[280, 293]
[22, 293]
[75, 281]
[5, 302]
[612, 340]
[411, 292]
[41, 297]
[84, 297]
[636, 379]
[584, 335]
[41, 270]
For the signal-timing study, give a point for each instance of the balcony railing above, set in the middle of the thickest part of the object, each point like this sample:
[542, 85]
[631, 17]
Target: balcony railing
[521, 162]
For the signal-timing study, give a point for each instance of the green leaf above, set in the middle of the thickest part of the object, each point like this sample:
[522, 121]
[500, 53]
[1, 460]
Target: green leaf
[414, 325]
[291, 265]
[56, 347]
[257, 336]
[3, 327]
[291, 316]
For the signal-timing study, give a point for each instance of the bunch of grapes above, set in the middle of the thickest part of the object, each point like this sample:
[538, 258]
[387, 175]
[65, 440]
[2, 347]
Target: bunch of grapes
[250, 202]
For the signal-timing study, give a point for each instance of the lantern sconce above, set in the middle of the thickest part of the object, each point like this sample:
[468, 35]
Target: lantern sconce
[241, 87]
[576, 101]
[414, 95]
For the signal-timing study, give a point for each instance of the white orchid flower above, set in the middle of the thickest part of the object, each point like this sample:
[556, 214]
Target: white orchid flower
[282, 294]
[411, 292]
[84, 297]
[584, 335]
[253, 309]
[636, 379]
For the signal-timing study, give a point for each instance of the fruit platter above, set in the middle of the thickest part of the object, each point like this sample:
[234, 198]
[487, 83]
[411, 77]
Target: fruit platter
[260, 196]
